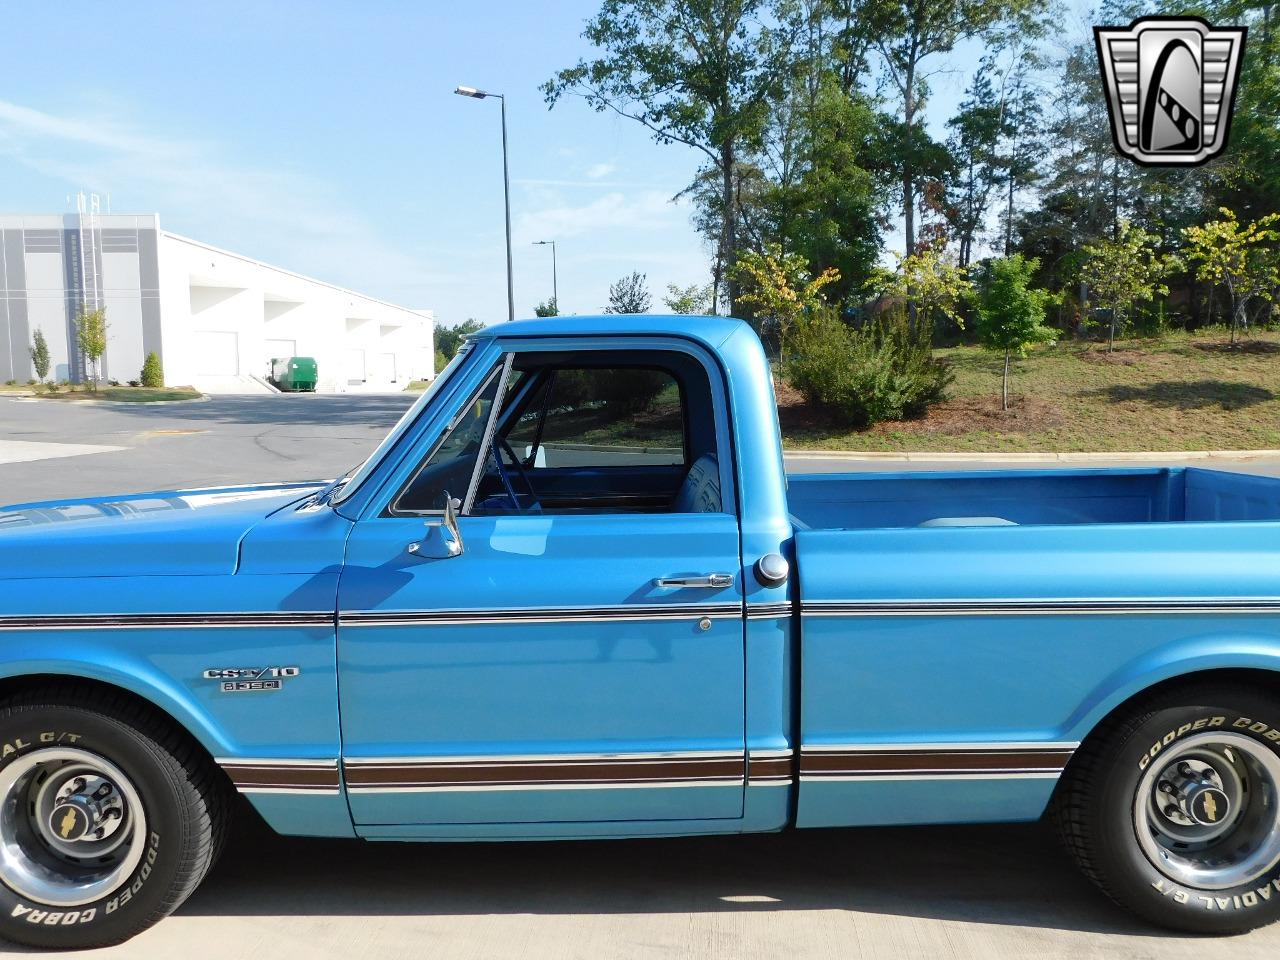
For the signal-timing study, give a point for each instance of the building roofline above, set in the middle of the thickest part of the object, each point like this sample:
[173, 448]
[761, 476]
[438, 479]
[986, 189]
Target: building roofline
[289, 273]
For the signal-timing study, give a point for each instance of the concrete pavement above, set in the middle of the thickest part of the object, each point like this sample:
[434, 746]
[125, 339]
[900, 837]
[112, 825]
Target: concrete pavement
[991, 892]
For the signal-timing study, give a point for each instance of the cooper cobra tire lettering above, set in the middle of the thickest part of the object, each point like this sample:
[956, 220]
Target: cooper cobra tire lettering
[1201, 723]
[1097, 808]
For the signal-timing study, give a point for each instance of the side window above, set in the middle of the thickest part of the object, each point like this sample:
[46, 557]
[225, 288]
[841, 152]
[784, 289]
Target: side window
[618, 431]
[600, 417]
[449, 467]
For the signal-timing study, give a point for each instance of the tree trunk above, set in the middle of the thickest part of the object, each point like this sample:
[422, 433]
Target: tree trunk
[1008, 222]
[729, 239]
[1004, 387]
[908, 164]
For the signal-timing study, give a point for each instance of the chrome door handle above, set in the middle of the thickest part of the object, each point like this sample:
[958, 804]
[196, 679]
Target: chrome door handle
[717, 580]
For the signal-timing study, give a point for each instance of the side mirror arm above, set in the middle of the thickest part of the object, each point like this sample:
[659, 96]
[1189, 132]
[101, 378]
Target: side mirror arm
[442, 540]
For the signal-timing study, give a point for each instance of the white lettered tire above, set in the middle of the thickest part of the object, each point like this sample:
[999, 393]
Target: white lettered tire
[1174, 809]
[109, 817]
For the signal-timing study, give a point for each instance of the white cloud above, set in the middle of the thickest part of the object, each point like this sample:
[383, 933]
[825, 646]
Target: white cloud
[278, 215]
[598, 171]
[646, 211]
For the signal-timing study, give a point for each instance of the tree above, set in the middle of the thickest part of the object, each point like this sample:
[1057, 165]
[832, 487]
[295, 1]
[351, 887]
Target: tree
[629, 295]
[449, 339]
[40, 354]
[91, 336]
[928, 279]
[696, 72]
[152, 373]
[976, 132]
[780, 289]
[1242, 257]
[695, 298]
[1125, 271]
[909, 33]
[548, 308]
[1011, 312]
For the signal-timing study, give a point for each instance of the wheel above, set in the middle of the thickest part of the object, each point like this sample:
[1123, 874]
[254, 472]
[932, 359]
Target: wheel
[109, 818]
[1174, 810]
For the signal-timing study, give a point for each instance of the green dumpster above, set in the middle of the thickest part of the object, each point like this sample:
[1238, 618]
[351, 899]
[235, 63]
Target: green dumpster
[294, 373]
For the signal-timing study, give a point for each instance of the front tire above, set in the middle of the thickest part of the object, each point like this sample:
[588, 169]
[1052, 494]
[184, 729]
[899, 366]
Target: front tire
[1174, 810]
[109, 818]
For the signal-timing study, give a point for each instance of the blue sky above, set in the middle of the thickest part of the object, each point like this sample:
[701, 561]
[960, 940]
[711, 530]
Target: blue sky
[324, 137]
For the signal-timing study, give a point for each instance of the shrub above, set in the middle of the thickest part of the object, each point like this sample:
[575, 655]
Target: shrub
[879, 371]
[152, 373]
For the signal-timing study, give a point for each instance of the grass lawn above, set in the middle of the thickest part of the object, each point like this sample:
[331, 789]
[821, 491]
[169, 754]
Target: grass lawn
[127, 394]
[1187, 392]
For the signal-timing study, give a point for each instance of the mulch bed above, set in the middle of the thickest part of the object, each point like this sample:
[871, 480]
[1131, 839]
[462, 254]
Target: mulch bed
[953, 417]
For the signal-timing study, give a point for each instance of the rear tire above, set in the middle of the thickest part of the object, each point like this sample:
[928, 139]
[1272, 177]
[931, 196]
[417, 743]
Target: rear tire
[1173, 810]
[109, 818]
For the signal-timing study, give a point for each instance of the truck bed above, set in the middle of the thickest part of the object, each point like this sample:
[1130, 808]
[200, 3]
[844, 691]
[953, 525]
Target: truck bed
[861, 501]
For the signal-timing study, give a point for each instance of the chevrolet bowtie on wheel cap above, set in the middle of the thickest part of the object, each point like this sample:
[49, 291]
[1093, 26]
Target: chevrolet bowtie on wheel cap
[1170, 85]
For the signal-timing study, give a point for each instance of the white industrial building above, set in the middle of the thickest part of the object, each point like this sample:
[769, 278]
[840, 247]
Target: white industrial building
[215, 318]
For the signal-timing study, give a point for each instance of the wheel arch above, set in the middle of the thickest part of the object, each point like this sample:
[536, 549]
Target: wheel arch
[154, 702]
[1265, 679]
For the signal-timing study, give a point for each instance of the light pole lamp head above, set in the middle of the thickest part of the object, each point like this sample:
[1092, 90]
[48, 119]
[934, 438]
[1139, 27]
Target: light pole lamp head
[470, 92]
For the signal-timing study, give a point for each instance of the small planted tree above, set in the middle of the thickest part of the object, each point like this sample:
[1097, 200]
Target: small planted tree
[548, 308]
[629, 295]
[930, 283]
[1124, 271]
[91, 336]
[40, 355]
[695, 298]
[1243, 257]
[152, 373]
[1011, 312]
[780, 288]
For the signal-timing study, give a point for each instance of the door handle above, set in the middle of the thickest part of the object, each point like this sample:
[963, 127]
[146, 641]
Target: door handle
[716, 580]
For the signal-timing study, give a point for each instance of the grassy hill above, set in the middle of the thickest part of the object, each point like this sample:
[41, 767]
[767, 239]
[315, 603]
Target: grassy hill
[1186, 392]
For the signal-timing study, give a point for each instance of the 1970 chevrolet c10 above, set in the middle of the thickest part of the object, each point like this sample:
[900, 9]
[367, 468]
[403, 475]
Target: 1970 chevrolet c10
[573, 594]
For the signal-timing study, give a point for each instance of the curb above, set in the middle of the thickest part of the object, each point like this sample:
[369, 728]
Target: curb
[926, 457]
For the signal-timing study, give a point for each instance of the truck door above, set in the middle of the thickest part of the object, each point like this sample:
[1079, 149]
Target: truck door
[573, 651]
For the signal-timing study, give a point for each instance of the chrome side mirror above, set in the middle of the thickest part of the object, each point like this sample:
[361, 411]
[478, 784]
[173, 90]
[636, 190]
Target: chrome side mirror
[442, 540]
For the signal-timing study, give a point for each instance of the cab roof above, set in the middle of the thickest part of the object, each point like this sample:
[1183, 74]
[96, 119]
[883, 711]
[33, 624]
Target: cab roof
[712, 331]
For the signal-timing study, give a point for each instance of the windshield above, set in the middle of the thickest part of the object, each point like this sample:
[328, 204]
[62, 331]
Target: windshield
[358, 474]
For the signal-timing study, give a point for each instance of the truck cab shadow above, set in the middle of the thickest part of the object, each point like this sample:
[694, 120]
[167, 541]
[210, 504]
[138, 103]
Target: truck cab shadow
[1002, 874]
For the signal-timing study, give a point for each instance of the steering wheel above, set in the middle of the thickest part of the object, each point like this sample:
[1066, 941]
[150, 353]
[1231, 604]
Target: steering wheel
[505, 477]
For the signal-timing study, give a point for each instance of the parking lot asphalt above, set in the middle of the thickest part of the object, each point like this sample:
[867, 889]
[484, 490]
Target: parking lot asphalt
[47, 447]
[1002, 891]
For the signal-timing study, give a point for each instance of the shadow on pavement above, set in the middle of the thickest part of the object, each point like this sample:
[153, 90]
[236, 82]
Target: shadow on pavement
[295, 409]
[1003, 874]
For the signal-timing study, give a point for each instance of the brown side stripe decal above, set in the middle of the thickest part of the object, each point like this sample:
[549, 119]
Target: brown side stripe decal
[505, 773]
[774, 766]
[993, 760]
[283, 776]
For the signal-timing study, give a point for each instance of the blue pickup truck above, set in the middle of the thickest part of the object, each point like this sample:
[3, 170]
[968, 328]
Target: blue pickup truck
[574, 594]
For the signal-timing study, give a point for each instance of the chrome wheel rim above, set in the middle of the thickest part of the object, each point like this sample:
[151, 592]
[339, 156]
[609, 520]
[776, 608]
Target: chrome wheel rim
[1207, 811]
[72, 826]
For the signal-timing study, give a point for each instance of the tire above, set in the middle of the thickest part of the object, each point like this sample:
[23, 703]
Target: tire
[69, 757]
[1172, 809]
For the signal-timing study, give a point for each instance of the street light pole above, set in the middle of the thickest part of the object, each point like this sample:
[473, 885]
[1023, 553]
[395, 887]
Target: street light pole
[506, 186]
[555, 289]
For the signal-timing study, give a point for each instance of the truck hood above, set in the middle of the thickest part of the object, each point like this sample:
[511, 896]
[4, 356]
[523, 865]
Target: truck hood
[166, 533]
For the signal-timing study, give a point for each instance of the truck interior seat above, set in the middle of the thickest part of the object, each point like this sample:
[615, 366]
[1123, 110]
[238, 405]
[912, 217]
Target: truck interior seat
[700, 492]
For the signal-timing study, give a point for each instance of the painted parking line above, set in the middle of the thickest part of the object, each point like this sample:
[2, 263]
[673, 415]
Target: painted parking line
[25, 451]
